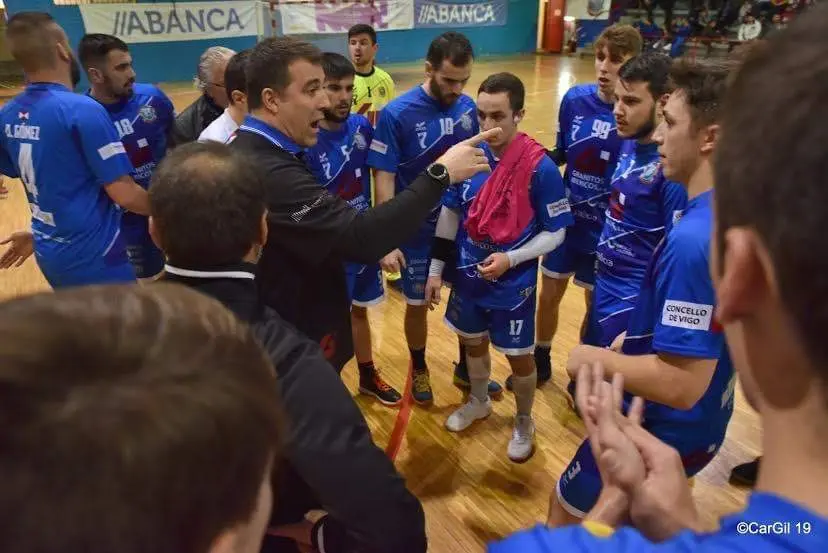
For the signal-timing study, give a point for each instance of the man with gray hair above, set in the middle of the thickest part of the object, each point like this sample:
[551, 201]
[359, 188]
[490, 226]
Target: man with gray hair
[210, 81]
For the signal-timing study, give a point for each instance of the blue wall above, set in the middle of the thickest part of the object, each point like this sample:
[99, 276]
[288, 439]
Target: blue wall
[176, 61]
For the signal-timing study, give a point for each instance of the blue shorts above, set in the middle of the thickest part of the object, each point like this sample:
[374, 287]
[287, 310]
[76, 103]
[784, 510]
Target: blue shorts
[145, 256]
[511, 332]
[414, 276]
[565, 261]
[580, 484]
[607, 318]
[113, 268]
[364, 284]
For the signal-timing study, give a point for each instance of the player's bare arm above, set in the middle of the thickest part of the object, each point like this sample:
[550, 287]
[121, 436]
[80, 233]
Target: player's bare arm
[673, 380]
[129, 195]
[384, 187]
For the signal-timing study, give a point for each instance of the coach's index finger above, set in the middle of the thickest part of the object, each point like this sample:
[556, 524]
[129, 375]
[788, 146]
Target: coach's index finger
[484, 136]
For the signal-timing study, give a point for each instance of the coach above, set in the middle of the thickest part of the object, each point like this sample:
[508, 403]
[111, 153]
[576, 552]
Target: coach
[312, 232]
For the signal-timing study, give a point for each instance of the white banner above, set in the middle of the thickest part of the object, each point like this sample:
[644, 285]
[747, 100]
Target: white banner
[329, 17]
[169, 22]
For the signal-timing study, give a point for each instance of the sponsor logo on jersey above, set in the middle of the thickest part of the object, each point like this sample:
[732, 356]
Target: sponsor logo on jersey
[683, 314]
[379, 147]
[649, 173]
[23, 115]
[147, 114]
[111, 149]
[466, 122]
[360, 142]
[557, 208]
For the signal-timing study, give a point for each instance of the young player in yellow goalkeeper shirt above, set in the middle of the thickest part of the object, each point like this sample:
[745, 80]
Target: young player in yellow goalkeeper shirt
[373, 87]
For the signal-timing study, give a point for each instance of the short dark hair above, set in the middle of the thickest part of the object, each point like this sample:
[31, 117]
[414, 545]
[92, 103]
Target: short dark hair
[620, 40]
[363, 29]
[337, 66]
[31, 37]
[703, 85]
[652, 68]
[269, 65]
[94, 47]
[451, 46]
[135, 419]
[207, 202]
[770, 167]
[508, 83]
[235, 75]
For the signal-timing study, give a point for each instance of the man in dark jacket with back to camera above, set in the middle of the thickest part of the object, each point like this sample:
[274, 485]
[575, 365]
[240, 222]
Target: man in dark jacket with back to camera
[312, 231]
[208, 216]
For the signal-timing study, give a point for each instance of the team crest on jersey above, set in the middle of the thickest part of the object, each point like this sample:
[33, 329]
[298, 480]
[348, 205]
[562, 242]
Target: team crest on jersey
[147, 114]
[649, 173]
[360, 142]
[382, 91]
[466, 122]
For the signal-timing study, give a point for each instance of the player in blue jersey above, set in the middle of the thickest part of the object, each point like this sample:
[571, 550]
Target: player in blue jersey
[643, 202]
[339, 163]
[74, 167]
[673, 353]
[771, 173]
[588, 144]
[494, 291]
[143, 117]
[413, 131]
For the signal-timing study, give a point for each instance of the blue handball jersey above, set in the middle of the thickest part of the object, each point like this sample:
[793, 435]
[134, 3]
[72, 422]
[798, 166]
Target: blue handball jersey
[65, 149]
[769, 524]
[552, 213]
[413, 131]
[642, 207]
[143, 122]
[339, 161]
[587, 134]
[674, 315]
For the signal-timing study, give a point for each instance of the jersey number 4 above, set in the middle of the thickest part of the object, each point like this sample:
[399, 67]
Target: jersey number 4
[25, 163]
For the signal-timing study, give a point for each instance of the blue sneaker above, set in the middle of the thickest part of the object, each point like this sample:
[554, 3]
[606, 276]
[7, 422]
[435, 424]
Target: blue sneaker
[421, 387]
[461, 380]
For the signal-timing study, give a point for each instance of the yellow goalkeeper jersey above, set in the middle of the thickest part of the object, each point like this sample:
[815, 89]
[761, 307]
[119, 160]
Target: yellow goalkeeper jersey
[372, 91]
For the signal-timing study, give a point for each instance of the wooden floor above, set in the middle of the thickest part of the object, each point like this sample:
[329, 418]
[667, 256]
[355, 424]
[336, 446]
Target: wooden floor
[471, 492]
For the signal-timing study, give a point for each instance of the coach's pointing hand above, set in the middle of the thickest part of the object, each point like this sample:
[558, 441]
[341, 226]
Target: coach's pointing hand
[466, 158]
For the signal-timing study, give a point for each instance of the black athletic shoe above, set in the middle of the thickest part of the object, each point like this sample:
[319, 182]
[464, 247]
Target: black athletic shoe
[461, 380]
[745, 474]
[373, 385]
[543, 362]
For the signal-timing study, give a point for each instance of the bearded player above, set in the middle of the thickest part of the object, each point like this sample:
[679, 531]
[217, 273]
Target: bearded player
[503, 222]
[412, 132]
[673, 353]
[643, 203]
[339, 162]
[143, 117]
[588, 144]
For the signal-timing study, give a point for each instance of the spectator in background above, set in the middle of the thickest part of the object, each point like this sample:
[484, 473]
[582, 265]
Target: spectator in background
[235, 83]
[751, 29]
[210, 81]
[158, 436]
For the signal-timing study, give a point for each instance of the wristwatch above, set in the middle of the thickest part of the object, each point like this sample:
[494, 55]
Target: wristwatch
[438, 171]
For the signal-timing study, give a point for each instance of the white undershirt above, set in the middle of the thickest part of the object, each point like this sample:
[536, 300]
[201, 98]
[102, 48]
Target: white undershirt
[219, 130]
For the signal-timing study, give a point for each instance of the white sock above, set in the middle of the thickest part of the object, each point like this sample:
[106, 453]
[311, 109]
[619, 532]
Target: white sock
[524, 389]
[480, 369]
